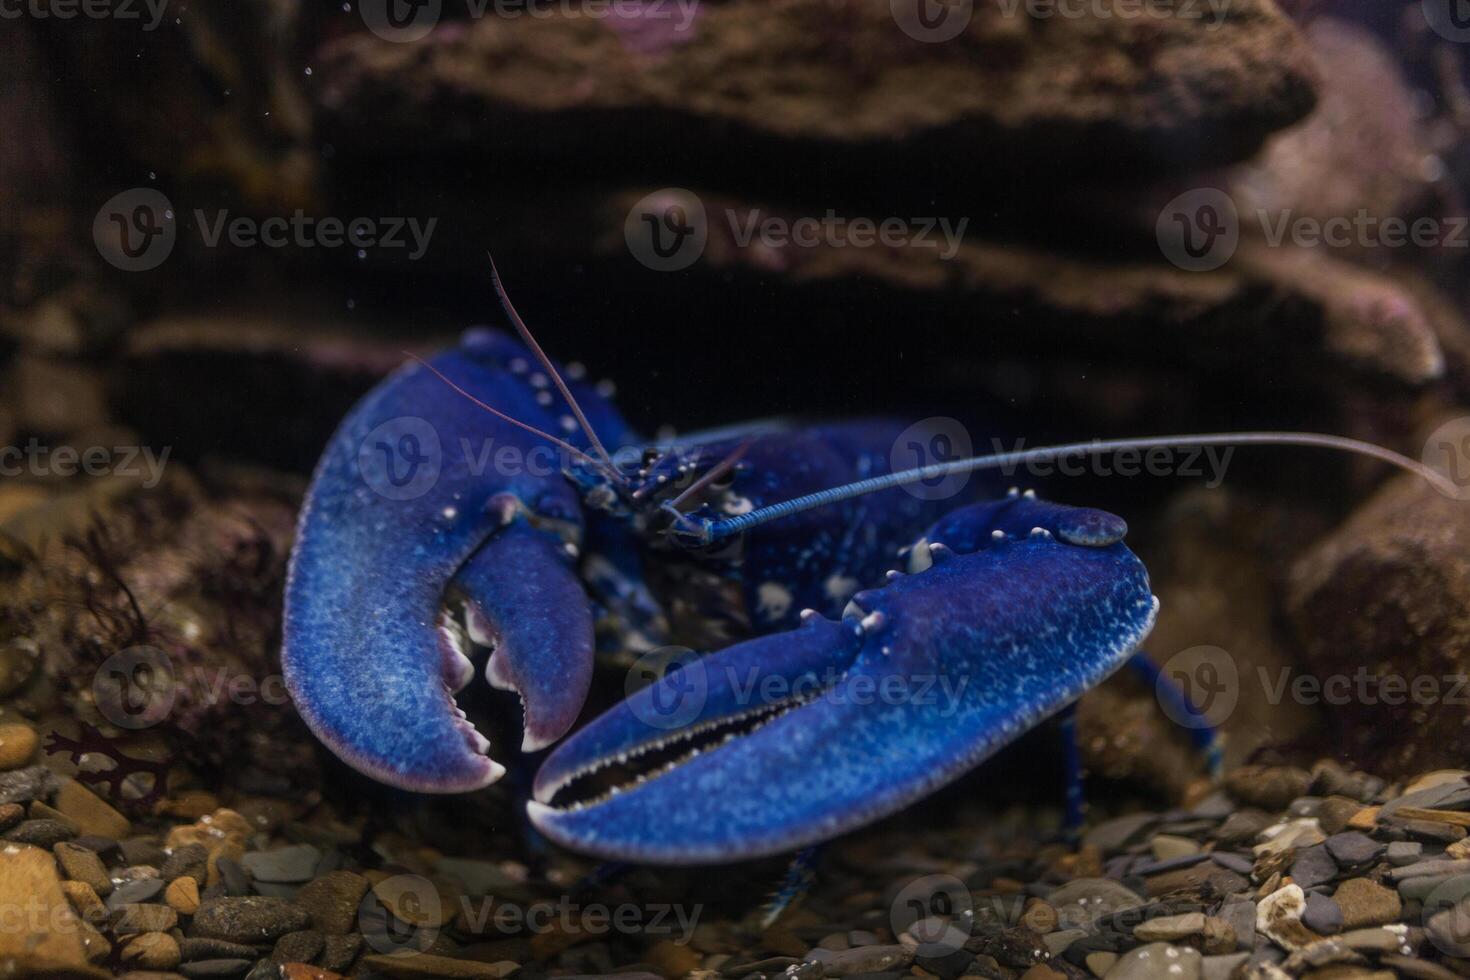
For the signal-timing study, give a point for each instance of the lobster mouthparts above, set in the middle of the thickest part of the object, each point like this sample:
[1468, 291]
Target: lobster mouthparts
[787, 740]
[410, 503]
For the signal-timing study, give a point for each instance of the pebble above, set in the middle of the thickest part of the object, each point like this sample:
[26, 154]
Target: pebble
[1404, 852]
[1322, 915]
[18, 744]
[1242, 918]
[333, 901]
[1354, 848]
[1239, 863]
[1278, 916]
[1221, 967]
[152, 951]
[204, 969]
[135, 892]
[1057, 942]
[1166, 847]
[182, 895]
[421, 966]
[47, 944]
[190, 859]
[298, 947]
[1424, 869]
[1289, 835]
[1118, 833]
[1100, 962]
[89, 813]
[1158, 961]
[84, 900]
[145, 918]
[41, 833]
[1365, 903]
[24, 785]
[1243, 826]
[867, 959]
[288, 865]
[1268, 787]
[80, 864]
[1170, 927]
[249, 920]
[1216, 806]
[232, 874]
[214, 949]
[1417, 968]
[1313, 867]
[1082, 902]
[1335, 813]
[1383, 939]
[339, 952]
[10, 815]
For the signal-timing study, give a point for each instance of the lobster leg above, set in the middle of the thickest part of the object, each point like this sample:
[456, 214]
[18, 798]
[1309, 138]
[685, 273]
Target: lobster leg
[931, 674]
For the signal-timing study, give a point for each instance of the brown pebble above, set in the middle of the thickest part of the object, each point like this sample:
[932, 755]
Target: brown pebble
[95, 817]
[52, 946]
[18, 744]
[672, 960]
[152, 951]
[85, 901]
[414, 966]
[80, 864]
[182, 895]
[1364, 819]
[139, 917]
[333, 901]
[1452, 817]
[300, 971]
[1043, 972]
[10, 815]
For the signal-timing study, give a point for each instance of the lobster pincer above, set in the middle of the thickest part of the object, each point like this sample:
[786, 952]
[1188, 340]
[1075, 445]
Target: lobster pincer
[1010, 611]
[423, 500]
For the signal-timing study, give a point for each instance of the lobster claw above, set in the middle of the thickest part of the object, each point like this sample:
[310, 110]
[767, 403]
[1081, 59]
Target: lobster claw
[404, 509]
[787, 740]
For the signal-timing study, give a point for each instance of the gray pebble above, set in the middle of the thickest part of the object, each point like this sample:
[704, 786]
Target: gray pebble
[41, 833]
[236, 881]
[1221, 967]
[135, 892]
[1169, 864]
[1057, 942]
[1239, 863]
[25, 785]
[285, 865]
[1216, 806]
[1404, 852]
[1452, 795]
[1115, 834]
[215, 968]
[1314, 866]
[1158, 961]
[1322, 915]
[1353, 848]
[1242, 918]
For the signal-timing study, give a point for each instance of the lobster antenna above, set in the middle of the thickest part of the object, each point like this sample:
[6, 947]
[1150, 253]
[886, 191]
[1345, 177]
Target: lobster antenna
[709, 531]
[546, 364]
[513, 421]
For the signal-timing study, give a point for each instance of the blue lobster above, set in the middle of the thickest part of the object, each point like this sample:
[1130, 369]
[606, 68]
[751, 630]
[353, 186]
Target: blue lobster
[878, 686]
